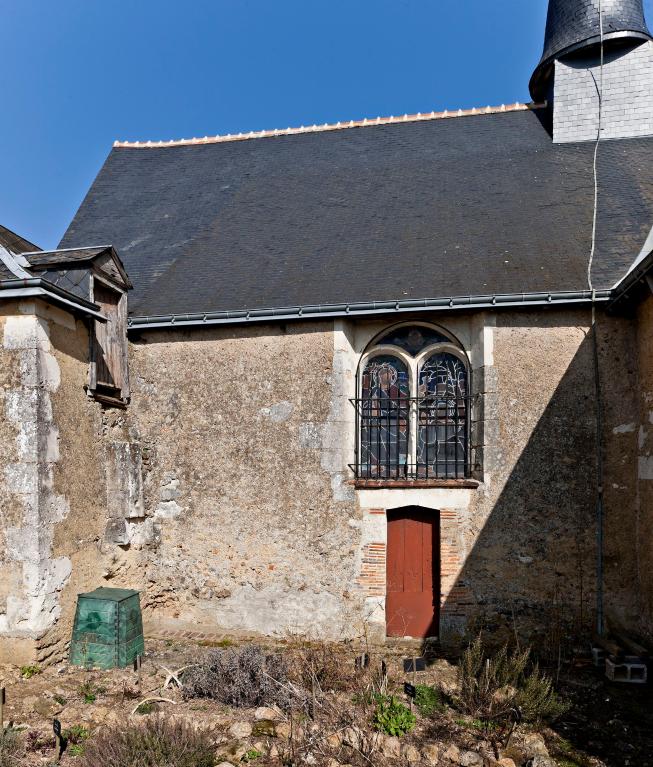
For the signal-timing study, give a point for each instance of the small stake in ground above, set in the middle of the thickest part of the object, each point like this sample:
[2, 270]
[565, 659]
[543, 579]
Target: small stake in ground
[2, 708]
[384, 678]
[138, 662]
[362, 661]
[411, 693]
[56, 728]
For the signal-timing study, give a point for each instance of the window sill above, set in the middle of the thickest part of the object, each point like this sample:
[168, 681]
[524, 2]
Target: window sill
[108, 399]
[372, 484]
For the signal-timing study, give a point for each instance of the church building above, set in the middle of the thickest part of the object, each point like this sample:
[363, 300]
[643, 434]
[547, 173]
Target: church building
[390, 377]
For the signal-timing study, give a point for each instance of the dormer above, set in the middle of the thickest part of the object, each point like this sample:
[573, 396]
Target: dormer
[96, 275]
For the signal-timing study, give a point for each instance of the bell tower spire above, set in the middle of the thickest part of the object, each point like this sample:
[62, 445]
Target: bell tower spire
[589, 91]
[573, 26]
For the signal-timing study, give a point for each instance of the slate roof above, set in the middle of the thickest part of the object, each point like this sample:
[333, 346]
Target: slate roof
[472, 205]
[575, 24]
[13, 242]
[67, 256]
[68, 269]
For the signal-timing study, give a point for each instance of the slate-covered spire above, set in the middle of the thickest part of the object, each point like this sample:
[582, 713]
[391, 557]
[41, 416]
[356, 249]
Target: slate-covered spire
[573, 25]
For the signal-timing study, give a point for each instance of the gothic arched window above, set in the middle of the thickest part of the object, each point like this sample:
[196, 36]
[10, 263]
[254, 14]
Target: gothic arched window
[413, 407]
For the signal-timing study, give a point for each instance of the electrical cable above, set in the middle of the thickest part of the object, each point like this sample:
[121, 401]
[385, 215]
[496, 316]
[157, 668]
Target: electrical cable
[600, 619]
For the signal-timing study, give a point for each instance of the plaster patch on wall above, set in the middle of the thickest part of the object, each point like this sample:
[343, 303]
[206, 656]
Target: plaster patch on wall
[341, 491]
[124, 480]
[249, 609]
[279, 412]
[168, 508]
[642, 436]
[338, 431]
[26, 332]
[310, 435]
[429, 498]
[645, 467]
[31, 478]
[488, 339]
[624, 428]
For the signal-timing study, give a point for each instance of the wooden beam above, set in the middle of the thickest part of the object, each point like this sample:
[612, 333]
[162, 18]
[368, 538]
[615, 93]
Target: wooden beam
[607, 644]
[632, 646]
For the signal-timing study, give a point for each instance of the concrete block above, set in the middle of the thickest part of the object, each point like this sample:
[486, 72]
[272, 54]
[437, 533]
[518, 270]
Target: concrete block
[632, 670]
[598, 656]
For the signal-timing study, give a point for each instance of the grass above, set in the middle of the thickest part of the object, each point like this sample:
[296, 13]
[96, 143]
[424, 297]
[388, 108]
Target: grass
[567, 755]
[226, 642]
[428, 700]
[76, 734]
[76, 738]
[145, 708]
[27, 672]
[476, 724]
[89, 691]
[251, 756]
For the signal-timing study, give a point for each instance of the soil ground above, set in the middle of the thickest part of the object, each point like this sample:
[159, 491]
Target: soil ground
[607, 724]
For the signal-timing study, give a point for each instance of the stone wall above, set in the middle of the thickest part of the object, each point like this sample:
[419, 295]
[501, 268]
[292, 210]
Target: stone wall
[223, 491]
[35, 376]
[53, 486]
[249, 523]
[519, 550]
[79, 477]
[627, 95]
[639, 528]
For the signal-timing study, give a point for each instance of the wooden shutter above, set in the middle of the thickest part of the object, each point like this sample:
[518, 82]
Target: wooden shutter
[109, 344]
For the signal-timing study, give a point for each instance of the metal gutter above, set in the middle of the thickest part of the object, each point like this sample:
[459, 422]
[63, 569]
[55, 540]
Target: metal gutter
[322, 311]
[36, 287]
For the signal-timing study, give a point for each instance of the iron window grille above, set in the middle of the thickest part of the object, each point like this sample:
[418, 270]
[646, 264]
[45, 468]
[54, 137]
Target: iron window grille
[400, 436]
[440, 429]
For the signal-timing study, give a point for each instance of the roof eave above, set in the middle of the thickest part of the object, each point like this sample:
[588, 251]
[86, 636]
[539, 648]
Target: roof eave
[628, 290]
[37, 287]
[367, 309]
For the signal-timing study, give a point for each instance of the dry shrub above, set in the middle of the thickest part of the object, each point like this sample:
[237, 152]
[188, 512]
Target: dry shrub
[159, 742]
[321, 666]
[491, 686]
[243, 677]
[11, 748]
[537, 700]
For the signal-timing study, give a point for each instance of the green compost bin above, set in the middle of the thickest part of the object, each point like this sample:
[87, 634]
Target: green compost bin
[108, 629]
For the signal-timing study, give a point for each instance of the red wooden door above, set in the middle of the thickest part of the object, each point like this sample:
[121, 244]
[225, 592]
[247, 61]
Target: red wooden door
[413, 573]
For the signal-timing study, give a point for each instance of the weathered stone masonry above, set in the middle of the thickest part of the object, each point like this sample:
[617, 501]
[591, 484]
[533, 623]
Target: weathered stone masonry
[226, 498]
[282, 511]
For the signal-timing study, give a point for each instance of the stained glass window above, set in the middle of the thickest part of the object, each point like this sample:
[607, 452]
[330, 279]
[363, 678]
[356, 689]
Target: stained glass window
[384, 418]
[420, 432]
[442, 417]
[412, 338]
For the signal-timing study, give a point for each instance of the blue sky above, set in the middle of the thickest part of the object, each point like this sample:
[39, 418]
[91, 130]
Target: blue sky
[78, 74]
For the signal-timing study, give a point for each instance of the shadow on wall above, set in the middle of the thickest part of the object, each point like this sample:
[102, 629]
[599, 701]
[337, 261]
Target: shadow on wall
[531, 568]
